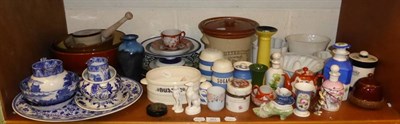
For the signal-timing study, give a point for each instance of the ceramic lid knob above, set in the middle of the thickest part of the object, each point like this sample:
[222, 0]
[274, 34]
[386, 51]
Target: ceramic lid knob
[334, 73]
[364, 54]
[276, 60]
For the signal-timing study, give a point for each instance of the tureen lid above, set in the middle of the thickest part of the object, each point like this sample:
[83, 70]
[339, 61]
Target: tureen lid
[228, 27]
[239, 87]
[363, 59]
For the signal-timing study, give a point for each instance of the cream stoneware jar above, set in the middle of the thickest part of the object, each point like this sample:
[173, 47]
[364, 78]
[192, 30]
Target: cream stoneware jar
[231, 35]
[160, 82]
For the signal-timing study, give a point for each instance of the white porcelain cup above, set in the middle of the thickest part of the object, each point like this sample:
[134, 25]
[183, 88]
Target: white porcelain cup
[172, 37]
[216, 98]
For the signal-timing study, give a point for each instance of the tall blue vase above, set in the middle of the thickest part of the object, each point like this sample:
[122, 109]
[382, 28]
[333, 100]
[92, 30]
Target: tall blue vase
[130, 57]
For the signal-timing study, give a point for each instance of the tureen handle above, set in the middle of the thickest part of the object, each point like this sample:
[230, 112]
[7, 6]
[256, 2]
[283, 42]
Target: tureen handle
[144, 81]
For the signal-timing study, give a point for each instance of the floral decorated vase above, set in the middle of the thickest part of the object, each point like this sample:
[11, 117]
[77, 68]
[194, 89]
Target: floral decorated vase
[49, 84]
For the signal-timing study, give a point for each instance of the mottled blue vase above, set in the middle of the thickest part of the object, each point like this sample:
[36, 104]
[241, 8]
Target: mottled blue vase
[130, 57]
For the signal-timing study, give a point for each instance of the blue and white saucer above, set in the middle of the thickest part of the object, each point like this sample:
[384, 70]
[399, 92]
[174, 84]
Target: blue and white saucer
[104, 105]
[72, 112]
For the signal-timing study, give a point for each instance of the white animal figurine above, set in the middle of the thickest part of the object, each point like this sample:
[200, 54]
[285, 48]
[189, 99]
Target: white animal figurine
[193, 100]
[176, 92]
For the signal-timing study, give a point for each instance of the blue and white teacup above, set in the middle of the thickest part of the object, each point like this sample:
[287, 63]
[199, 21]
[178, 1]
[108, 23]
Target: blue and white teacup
[98, 69]
[284, 96]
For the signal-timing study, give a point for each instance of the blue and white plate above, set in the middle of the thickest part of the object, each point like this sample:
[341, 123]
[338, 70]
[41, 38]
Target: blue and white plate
[73, 112]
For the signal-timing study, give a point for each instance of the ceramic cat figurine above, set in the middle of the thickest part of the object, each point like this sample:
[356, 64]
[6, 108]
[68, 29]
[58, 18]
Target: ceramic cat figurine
[193, 100]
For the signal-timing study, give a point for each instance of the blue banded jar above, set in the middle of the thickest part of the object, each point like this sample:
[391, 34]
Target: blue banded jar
[207, 58]
[242, 70]
[222, 73]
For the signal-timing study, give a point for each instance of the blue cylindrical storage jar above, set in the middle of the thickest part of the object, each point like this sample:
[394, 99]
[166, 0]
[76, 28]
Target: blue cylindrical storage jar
[207, 58]
[242, 70]
[222, 73]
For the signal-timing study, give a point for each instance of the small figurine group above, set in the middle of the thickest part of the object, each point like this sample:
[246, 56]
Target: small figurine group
[193, 100]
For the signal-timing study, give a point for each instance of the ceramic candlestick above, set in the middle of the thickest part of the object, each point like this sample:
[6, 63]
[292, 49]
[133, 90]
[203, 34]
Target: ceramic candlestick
[264, 34]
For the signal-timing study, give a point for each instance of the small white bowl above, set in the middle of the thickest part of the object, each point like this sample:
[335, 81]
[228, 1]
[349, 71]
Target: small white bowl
[307, 44]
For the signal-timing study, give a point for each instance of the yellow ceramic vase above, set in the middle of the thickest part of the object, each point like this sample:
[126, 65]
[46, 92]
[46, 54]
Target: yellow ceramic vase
[264, 34]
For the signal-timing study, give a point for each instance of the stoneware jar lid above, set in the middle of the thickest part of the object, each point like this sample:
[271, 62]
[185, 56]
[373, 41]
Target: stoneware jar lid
[222, 66]
[210, 54]
[228, 27]
[239, 87]
[363, 59]
[242, 65]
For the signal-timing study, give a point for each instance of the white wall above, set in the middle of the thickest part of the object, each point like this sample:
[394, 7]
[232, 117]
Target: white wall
[153, 16]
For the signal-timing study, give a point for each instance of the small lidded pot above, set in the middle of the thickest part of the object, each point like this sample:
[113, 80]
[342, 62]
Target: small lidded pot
[238, 95]
[242, 70]
[367, 93]
[363, 64]
[50, 86]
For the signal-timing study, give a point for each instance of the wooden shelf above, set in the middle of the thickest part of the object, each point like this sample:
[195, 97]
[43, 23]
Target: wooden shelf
[136, 113]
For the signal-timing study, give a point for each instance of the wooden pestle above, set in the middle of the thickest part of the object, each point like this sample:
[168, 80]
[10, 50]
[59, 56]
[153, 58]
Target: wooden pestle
[110, 30]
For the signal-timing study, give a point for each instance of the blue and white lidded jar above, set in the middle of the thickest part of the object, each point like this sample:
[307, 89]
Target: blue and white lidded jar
[203, 92]
[50, 85]
[207, 58]
[238, 95]
[97, 69]
[222, 73]
[242, 70]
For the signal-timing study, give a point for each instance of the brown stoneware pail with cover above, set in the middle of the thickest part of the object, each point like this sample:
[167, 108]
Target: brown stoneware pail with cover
[232, 35]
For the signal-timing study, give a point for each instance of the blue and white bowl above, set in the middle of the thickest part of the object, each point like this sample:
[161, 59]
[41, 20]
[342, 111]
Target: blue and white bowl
[51, 90]
[100, 90]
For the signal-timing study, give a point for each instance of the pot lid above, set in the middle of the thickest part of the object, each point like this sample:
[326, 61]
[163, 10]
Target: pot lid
[228, 27]
[363, 56]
